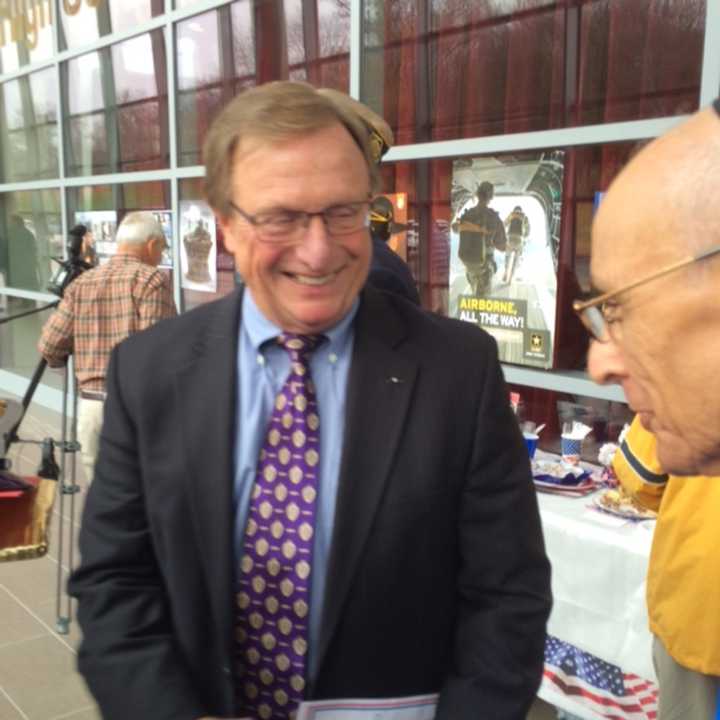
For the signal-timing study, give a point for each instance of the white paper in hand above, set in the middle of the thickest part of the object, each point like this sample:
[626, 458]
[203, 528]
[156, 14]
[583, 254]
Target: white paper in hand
[417, 707]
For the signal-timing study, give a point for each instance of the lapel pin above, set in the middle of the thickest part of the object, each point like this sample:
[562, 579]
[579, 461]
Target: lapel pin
[396, 380]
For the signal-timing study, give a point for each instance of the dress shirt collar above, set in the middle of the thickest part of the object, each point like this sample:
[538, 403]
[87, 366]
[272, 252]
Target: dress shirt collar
[260, 330]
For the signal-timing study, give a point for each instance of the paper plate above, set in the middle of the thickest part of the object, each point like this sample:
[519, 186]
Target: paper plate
[623, 510]
[558, 473]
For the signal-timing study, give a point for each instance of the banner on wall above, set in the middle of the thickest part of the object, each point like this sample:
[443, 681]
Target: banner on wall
[198, 247]
[164, 217]
[102, 224]
[503, 250]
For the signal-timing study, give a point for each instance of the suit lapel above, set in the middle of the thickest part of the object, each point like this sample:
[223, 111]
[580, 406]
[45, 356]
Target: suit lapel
[206, 390]
[380, 387]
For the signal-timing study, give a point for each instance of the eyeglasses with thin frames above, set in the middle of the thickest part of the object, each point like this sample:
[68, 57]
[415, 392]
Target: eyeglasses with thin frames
[594, 312]
[287, 226]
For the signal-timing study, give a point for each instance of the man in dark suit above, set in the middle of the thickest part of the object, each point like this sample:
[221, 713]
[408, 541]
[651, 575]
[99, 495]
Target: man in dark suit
[233, 560]
[388, 271]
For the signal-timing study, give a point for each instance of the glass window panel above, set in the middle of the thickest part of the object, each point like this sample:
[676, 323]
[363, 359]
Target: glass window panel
[18, 346]
[30, 235]
[28, 116]
[134, 77]
[79, 22]
[222, 51]
[84, 83]
[14, 115]
[536, 64]
[43, 86]
[626, 71]
[117, 108]
[25, 34]
[83, 21]
[333, 39]
[295, 34]
[206, 72]
[127, 14]
[198, 48]
[139, 149]
[205, 276]
[243, 40]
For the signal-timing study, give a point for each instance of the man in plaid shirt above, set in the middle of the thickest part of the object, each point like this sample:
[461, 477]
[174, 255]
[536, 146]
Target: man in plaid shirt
[102, 307]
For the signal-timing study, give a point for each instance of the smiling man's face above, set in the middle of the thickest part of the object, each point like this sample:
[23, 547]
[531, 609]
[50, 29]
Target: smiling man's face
[309, 285]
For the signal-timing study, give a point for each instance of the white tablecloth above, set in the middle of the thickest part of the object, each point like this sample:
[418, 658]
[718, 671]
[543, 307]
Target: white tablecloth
[599, 565]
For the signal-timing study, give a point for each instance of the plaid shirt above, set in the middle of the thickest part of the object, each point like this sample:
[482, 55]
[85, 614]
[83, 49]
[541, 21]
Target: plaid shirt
[99, 309]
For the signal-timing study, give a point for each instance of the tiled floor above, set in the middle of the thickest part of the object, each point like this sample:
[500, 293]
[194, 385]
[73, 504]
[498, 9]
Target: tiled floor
[38, 680]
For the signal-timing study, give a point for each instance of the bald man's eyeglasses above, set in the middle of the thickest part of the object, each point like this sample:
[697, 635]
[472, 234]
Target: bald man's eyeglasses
[286, 226]
[596, 312]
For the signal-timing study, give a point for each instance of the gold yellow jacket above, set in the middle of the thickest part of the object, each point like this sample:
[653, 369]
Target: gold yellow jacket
[683, 584]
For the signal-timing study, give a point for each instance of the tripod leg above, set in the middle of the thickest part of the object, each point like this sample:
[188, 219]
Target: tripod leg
[62, 623]
[12, 436]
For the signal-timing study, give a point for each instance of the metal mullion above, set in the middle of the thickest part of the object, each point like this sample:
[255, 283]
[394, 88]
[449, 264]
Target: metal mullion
[573, 382]
[197, 8]
[191, 171]
[115, 178]
[30, 185]
[560, 137]
[710, 76]
[177, 269]
[60, 115]
[356, 41]
[171, 84]
[27, 69]
[114, 38]
[27, 294]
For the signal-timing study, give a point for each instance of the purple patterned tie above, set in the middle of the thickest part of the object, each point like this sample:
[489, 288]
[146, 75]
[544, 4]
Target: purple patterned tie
[273, 592]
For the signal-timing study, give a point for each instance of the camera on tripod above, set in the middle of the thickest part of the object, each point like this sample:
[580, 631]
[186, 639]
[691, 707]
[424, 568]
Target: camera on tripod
[75, 264]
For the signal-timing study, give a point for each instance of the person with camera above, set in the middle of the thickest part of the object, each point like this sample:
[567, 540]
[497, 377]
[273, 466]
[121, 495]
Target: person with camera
[82, 245]
[100, 308]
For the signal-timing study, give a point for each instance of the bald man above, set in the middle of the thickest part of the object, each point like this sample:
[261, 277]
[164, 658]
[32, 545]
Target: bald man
[656, 330]
[656, 261]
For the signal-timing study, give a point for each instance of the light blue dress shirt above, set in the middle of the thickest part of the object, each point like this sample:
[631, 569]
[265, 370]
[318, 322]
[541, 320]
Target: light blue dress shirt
[262, 368]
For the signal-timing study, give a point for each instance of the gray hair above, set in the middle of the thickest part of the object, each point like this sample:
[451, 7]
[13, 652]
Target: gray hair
[273, 112]
[137, 228]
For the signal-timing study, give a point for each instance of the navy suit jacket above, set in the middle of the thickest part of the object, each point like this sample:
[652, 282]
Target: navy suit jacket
[388, 271]
[437, 578]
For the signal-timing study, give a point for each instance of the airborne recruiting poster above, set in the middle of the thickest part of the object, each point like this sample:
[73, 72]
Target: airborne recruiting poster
[503, 250]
